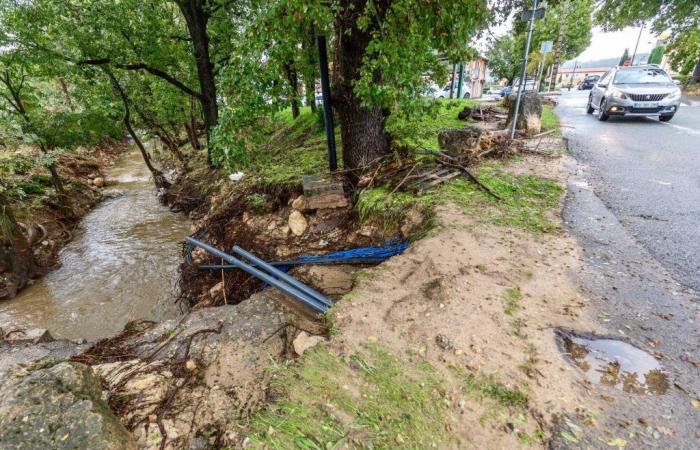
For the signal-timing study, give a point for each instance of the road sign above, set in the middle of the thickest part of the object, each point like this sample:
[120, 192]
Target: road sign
[546, 46]
[527, 15]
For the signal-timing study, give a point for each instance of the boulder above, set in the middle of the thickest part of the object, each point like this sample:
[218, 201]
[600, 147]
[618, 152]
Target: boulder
[330, 280]
[22, 352]
[99, 182]
[59, 407]
[297, 223]
[33, 335]
[461, 141]
[216, 290]
[304, 341]
[209, 366]
[529, 113]
[329, 200]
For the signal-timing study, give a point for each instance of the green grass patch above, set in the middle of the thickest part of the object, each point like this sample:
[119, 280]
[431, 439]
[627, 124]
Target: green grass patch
[550, 121]
[368, 400]
[511, 300]
[526, 199]
[488, 387]
[380, 202]
[422, 131]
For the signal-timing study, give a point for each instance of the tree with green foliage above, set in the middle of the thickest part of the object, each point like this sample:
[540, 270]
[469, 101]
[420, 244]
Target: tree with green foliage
[504, 60]
[383, 53]
[656, 55]
[681, 17]
[625, 56]
[567, 24]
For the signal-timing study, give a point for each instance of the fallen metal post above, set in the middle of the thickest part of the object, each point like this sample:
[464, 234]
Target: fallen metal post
[283, 276]
[282, 286]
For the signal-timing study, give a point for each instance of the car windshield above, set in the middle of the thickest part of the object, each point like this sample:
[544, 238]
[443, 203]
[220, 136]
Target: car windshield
[641, 76]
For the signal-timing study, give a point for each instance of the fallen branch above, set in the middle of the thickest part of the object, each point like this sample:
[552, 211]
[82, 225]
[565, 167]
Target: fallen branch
[404, 179]
[468, 172]
[475, 180]
[544, 133]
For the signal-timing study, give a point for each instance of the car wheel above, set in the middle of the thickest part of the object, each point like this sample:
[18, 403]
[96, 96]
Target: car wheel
[602, 115]
[467, 95]
[666, 118]
[589, 107]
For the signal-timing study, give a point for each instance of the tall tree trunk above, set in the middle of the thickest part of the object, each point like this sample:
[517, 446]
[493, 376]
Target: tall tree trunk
[308, 45]
[197, 19]
[158, 177]
[556, 59]
[695, 78]
[192, 127]
[293, 80]
[362, 129]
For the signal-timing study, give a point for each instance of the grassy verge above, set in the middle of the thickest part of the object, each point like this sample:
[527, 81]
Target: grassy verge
[372, 399]
[422, 131]
[550, 121]
[527, 200]
[367, 400]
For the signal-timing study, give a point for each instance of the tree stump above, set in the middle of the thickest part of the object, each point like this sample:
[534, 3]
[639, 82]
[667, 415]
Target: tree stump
[529, 114]
[461, 141]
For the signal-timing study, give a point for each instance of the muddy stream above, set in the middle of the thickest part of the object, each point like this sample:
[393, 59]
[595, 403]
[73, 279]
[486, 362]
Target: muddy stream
[120, 266]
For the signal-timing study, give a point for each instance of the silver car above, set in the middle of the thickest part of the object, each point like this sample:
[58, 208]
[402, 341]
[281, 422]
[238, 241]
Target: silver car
[635, 91]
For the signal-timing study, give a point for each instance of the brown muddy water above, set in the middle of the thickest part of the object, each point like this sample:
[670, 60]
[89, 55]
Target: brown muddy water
[615, 363]
[120, 266]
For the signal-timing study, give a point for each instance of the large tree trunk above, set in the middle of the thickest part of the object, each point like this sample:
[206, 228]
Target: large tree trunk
[197, 18]
[192, 127]
[695, 78]
[362, 129]
[308, 45]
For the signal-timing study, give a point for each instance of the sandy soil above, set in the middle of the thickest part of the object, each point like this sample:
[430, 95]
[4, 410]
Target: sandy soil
[446, 299]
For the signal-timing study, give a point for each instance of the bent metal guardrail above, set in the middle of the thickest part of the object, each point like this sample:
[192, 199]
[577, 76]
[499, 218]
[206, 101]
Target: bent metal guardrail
[270, 275]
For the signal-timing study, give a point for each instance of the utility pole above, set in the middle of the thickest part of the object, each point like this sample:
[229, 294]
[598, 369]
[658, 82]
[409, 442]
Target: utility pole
[637, 44]
[521, 84]
[461, 79]
[327, 107]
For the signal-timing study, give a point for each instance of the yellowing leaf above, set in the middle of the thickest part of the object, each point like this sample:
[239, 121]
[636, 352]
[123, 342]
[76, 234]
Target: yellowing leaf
[618, 442]
[569, 437]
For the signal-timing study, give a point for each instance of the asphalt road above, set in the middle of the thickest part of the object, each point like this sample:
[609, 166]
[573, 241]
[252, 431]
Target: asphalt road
[648, 173]
[633, 203]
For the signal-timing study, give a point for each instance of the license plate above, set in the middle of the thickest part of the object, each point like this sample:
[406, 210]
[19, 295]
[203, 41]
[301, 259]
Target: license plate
[646, 104]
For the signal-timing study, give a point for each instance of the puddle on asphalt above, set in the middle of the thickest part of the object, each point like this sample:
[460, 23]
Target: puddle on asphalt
[614, 363]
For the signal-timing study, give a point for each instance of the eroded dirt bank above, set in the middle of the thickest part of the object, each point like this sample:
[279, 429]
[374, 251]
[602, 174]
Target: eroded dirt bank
[48, 220]
[121, 264]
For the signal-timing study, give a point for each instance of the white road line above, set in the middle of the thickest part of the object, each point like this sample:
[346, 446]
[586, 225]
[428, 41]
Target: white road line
[678, 127]
[682, 128]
